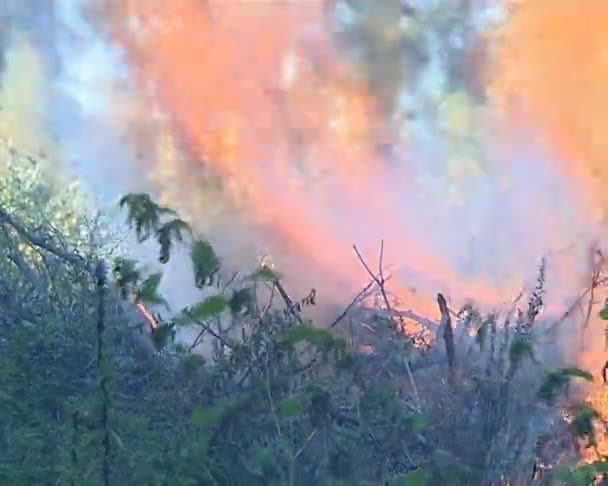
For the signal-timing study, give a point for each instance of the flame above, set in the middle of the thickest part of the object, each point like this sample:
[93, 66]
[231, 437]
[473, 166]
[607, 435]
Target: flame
[553, 61]
[261, 95]
[147, 315]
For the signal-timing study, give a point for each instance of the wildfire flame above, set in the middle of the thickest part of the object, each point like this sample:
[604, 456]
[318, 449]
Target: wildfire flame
[553, 61]
[262, 96]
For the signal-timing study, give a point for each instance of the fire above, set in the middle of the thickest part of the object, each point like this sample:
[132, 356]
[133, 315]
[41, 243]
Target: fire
[554, 61]
[262, 96]
[147, 315]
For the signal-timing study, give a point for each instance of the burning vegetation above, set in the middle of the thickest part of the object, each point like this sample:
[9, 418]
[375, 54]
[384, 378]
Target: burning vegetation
[412, 160]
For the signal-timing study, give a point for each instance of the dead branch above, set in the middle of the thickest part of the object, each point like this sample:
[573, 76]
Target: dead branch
[380, 282]
[448, 335]
[40, 241]
[573, 307]
[354, 302]
[595, 279]
[288, 302]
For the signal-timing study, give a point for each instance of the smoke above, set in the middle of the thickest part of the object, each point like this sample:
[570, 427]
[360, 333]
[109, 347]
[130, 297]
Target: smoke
[297, 130]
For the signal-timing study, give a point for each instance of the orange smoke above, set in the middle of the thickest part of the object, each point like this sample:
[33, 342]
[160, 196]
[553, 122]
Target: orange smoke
[261, 95]
[554, 62]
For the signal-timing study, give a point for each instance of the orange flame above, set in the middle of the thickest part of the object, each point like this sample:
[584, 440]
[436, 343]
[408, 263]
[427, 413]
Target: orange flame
[554, 62]
[223, 70]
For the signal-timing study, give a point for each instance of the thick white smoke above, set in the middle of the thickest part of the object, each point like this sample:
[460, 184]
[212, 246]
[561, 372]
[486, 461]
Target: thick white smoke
[491, 220]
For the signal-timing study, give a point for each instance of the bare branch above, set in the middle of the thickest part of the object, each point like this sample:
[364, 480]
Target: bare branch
[379, 280]
[448, 336]
[354, 302]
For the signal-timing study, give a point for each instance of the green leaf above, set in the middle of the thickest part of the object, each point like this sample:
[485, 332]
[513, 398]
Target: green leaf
[143, 213]
[555, 381]
[126, 275]
[266, 461]
[577, 373]
[264, 274]
[418, 477]
[205, 262]
[304, 332]
[206, 416]
[290, 407]
[417, 423]
[162, 334]
[148, 292]
[211, 306]
[191, 364]
[241, 301]
[165, 235]
[582, 423]
[604, 314]
[521, 348]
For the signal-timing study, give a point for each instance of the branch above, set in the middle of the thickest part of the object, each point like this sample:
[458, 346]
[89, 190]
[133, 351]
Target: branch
[354, 302]
[288, 302]
[100, 277]
[380, 281]
[211, 331]
[15, 256]
[595, 279]
[41, 241]
[573, 307]
[448, 335]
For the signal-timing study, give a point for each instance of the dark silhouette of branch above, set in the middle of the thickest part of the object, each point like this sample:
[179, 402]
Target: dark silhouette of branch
[381, 282]
[100, 279]
[41, 241]
[354, 302]
[448, 335]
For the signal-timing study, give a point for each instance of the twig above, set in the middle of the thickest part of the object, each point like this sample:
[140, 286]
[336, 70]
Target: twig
[195, 343]
[379, 280]
[595, 277]
[271, 401]
[40, 241]
[270, 301]
[448, 336]
[230, 281]
[288, 302]
[569, 311]
[100, 277]
[352, 304]
[210, 331]
[308, 439]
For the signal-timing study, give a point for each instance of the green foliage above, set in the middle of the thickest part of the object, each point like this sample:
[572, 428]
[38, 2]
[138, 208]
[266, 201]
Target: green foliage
[521, 348]
[266, 461]
[582, 422]
[290, 407]
[148, 291]
[241, 301]
[207, 416]
[556, 381]
[162, 335]
[205, 262]
[582, 475]
[265, 274]
[277, 400]
[126, 275]
[211, 306]
[413, 478]
[144, 215]
[303, 332]
[169, 231]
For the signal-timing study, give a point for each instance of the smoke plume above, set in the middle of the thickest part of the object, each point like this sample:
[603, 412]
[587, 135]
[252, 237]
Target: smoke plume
[297, 129]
